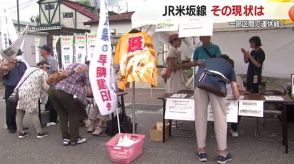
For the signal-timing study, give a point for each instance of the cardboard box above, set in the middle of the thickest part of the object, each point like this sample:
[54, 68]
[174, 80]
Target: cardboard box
[156, 134]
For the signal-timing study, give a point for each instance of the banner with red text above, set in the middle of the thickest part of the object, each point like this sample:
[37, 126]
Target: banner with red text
[101, 70]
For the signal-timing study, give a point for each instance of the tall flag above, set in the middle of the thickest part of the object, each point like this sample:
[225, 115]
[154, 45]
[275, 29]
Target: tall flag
[101, 69]
[80, 48]
[54, 47]
[10, 41]
[66, 50]
[37, 50]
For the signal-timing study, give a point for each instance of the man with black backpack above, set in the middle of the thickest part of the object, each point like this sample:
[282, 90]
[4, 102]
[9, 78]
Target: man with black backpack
[206, 50]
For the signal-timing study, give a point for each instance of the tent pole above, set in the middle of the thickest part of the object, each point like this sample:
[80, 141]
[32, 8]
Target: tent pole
[134, 112]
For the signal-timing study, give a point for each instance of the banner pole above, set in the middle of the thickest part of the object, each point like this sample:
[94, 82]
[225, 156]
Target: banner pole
[134, 112]
[118, 122]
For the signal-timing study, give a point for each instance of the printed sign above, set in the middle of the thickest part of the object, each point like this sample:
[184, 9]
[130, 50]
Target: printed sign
[54, 45]
[91, 45]
[66, 50]
[251, 108]
[37, 50]
[167, 25]
[80, 48]
[101, 69]
[232, 111]
[292, 88]
[180, 109]
[199, 27]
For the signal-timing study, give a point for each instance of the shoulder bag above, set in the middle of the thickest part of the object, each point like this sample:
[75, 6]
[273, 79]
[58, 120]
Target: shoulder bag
[14, 97]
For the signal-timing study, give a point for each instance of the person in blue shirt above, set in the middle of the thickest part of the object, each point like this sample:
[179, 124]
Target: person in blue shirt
[11, 80]
[206, 50]
[220, 67]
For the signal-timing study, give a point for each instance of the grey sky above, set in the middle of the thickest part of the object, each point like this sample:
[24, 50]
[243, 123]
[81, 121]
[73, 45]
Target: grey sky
[30, 7]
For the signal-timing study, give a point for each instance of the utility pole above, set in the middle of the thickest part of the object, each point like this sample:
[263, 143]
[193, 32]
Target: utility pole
[18, 24]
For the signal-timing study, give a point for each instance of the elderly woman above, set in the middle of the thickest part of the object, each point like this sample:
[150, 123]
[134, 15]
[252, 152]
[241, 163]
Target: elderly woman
[97, 122]
[31, 88]
[176, 81]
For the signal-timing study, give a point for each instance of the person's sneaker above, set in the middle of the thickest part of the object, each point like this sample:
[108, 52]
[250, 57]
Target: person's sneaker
[224, 159]
[23, 135]
[234, 133]
[42, 135]
[202, 157]
[80, 140]
[51, 124]
[66, 142]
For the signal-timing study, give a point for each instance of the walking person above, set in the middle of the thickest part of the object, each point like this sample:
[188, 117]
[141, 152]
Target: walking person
[210, 81]
[11, 79]
[69, 97]
[45, 52]
[32, 88]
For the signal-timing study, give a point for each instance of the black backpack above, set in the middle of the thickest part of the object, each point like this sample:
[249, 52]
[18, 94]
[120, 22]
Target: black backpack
[126, 125]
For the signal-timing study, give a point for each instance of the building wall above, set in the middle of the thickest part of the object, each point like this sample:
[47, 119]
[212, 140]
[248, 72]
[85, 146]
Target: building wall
[67, 22]
[29, 47]
[120, 27]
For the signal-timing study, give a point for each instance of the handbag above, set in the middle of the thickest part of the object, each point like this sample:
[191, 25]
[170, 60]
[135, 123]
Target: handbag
[213, 82]
[14, 97]
[58, 76]
[126, 125]
[165, 73]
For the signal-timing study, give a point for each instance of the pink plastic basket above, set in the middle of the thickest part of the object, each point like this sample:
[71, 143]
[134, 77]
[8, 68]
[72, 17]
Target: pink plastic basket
[121, 154]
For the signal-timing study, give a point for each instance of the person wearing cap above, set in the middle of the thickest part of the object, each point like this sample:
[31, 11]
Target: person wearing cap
[11, 79]
[176, 81]
[255, 60]
[206, 50]
[45, 52]
[32, 89]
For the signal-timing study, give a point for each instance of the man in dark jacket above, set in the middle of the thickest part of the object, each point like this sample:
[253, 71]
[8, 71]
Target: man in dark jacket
[11, 80]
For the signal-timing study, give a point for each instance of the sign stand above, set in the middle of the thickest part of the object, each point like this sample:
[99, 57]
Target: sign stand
[134, 102]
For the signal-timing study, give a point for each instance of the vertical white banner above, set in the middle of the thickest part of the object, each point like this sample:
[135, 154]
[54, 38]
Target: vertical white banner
[80, 48]
[66, 50]
[37, 50]
[54, 44]
[101, 69]
[91, 45]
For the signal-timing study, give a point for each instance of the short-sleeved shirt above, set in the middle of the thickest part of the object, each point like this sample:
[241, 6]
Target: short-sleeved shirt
[53, 64]
[252, 70]
[76, 83]
[174, 53]
[220, 65]
[200, 53]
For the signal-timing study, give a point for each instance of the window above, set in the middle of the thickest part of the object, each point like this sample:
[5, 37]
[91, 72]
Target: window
[49, 6]
[68, 15]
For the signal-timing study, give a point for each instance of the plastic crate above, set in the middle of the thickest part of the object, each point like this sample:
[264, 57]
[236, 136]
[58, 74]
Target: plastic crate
[123, 154]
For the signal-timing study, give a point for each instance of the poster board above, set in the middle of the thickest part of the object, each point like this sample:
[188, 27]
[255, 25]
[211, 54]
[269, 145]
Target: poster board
[80, 49]
[292, 85]
[251, 108]
[66, 50]
[232, 111]
[180, 109]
